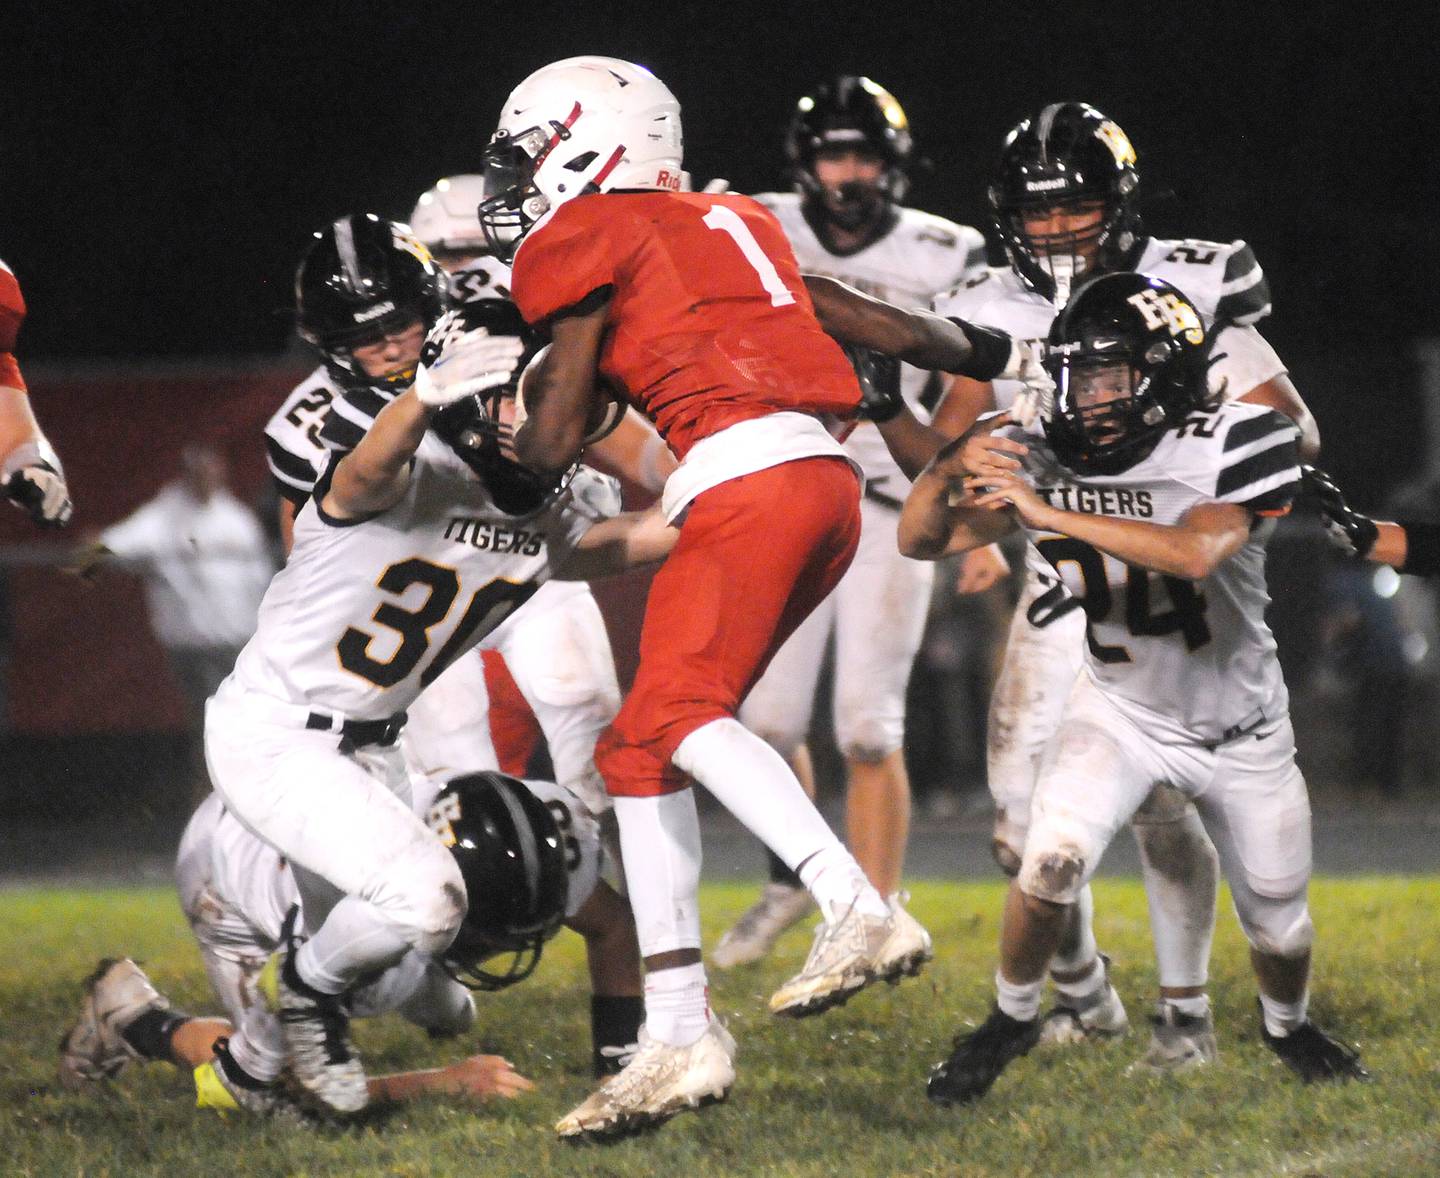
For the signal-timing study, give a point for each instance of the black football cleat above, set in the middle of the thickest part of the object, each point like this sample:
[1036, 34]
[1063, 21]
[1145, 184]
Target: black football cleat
[1313, 1055]
[979, 1058]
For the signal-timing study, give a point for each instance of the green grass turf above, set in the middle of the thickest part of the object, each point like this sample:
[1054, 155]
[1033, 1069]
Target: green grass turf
[839, 1095]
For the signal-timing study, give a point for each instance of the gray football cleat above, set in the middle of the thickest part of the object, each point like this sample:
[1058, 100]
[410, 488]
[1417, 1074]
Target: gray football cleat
[316, 1030]
[753, 936]
[1179, 1042]
[94, 1049]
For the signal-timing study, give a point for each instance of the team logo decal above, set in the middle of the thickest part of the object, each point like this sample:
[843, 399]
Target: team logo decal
[1118, 142]
[442, 816]
[1167, 312]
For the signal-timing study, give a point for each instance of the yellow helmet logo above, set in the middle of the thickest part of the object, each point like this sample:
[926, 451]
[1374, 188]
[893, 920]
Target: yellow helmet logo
[1118, 142]
[892, 110]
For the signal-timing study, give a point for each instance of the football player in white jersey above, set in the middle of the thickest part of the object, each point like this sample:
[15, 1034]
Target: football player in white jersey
[1064, 205]
[238, 893]
[1148, 495]
[849, 146]
[414, 547]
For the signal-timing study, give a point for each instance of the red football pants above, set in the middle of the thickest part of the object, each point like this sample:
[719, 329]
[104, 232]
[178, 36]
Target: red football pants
[756, 554]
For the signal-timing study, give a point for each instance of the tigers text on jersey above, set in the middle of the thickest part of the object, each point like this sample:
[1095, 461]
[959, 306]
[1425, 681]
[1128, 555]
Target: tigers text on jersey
[918, 258]
[12, 315]
[368, 612]
[1196, 659]
[1224, 282]
[709, 322]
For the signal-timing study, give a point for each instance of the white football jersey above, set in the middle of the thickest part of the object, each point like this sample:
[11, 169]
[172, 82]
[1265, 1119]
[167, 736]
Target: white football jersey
[1224, 282]
[920, 257]
[1195, 659]
[368, 612]
[293, 446]
[480, 278]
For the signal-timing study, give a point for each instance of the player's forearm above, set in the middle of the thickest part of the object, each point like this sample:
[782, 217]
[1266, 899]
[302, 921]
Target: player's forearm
[373, 476]
[931, 527]
[17, 421]
[1177, 550]
[628, 541]
[553, 433]
[911, 442]
[917, 337]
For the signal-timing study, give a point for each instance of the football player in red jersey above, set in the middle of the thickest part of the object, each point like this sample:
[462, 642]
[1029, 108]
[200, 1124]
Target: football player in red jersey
[692, 307]
[30, 470]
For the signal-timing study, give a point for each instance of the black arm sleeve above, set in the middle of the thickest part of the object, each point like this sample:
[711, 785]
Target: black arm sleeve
[1422, 549]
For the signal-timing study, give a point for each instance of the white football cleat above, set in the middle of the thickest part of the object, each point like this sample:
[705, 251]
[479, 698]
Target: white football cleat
[316, 1031]
[753, 936]
[1179, 1042]
[116, 994]
[658, 1082]
[852, 951]
[217, 1089]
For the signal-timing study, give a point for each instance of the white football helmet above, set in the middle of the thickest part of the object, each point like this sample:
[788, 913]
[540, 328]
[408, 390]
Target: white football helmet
[444, 218]
[585, 124]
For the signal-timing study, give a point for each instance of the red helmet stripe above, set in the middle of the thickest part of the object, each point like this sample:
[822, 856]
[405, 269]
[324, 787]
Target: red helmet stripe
[615, 157]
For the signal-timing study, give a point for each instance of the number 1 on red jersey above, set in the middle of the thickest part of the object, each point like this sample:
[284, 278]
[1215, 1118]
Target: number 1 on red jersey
[728, 221]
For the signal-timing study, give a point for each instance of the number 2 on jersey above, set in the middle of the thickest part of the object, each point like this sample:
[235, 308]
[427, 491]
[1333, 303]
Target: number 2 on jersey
[728, 221]
[491, 605]
[1187, 604]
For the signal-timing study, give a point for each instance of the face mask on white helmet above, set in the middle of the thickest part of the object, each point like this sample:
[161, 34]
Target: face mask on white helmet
[586, 124]
[444, 217]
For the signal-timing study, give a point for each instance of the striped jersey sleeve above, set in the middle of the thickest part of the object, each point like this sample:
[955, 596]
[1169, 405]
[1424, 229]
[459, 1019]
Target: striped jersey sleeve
[350, 418]
[1244, 290]
[1259, 463]
[292, 437]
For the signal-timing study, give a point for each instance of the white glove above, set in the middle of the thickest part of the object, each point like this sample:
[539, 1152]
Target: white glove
[468, 362]
[1036, 400]
[34, 480]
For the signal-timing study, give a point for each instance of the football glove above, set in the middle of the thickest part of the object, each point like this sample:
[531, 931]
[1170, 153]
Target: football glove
[458, 363]
[879, 377]
[1349, 531]
[34, 480]
[1036, 400]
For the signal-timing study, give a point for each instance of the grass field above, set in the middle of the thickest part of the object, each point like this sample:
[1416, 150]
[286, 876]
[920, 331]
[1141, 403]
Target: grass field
[839, 1096]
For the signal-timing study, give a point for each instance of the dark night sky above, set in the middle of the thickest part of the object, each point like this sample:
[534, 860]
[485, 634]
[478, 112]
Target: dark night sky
[161, 165]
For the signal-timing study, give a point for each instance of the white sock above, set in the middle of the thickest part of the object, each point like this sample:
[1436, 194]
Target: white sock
[1020, 1001]
[1283, 1017]
[354, 940]
[835, 880]
[1181, 873]
[1197, 1007]
[1078, 951]
[660, 847]
[256, 1044]
[754, 783]
[677, 1004]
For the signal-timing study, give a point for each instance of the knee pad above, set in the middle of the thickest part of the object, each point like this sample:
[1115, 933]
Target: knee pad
[1056, 872]
[1280, 928]
[429, 909]
[869, 729]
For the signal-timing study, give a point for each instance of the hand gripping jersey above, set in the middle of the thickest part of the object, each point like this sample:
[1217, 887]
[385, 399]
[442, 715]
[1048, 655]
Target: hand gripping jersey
[368, 612]
[709, 322]
[1194, 659]
[920, 257]
[12, 315]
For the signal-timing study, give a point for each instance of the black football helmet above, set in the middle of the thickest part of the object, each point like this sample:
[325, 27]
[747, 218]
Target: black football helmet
[1128, 355]
[1069, 156]
[475, 427]
[360, 279]
[510, 853]
[854, 112]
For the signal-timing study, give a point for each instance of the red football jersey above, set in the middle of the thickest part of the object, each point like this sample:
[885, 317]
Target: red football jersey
[709, 321]
[12, 314]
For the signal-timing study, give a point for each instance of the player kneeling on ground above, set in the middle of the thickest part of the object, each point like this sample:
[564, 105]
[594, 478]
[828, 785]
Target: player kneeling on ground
[1149, 500]
[528, 851]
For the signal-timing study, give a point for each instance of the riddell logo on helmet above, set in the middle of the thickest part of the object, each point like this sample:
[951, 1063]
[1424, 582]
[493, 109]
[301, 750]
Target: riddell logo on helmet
[666, 180]
[374, 312]
[1045, 185]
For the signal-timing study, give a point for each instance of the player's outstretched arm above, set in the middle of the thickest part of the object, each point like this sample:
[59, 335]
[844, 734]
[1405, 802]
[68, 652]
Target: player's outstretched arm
[1206, 536]
[373, 476]
[560, 393]
[917, 337]
[477, 1077]
[625, 541]
[30, 472]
